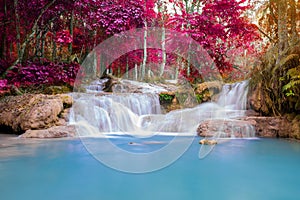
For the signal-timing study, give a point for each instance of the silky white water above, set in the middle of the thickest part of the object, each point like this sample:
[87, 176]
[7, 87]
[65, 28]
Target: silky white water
[139, 114]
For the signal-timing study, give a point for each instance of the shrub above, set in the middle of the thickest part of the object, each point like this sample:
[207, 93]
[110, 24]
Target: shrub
[46, 73]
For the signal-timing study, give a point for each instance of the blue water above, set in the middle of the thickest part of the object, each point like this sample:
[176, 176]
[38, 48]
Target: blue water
[237, 169]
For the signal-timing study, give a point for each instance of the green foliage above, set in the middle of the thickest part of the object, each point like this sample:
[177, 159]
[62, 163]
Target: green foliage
[165, 98]
[294, 72]
[293, 77]
[199, 98]
[275, 83]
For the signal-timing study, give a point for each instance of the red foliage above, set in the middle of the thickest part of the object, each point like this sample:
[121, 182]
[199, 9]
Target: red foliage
[218, 28]
[3, 86]
[46, 73]
[64, 37]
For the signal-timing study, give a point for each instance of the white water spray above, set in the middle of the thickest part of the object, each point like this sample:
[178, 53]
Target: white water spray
[139, 114]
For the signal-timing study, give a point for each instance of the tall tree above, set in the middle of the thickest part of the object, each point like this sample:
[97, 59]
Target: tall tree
[282, 27]
[219, 26]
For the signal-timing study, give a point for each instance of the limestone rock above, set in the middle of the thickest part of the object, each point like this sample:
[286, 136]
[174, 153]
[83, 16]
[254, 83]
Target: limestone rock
[259, 100]
[226, 128]
[212, 86]
[208, 142]
[208, 90]
[269, 126]
[33, 111]
[53, 132]
[294, 127]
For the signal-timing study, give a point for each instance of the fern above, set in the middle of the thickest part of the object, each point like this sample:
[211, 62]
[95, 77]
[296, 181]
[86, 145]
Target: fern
[295, 82]
[293, 76]
[294, 72]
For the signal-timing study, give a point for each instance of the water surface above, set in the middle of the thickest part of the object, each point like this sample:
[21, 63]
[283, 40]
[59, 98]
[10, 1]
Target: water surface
[63, 169]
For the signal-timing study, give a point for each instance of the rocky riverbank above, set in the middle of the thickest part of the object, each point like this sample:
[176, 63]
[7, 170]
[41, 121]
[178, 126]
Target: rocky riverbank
[36, 115]
[269, 127]
[47, 116]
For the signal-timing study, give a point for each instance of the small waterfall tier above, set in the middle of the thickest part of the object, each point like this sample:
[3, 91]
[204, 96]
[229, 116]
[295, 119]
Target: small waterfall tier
[140, 113]
[114, 113]
[227, 122]
[234, 96]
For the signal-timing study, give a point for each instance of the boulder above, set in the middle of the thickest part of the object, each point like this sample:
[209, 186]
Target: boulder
[226, 128]
[295, 126]
[259, 100]
[208, 90]
[53, 132]
[213, 86]
[34, 111]
[269, 126]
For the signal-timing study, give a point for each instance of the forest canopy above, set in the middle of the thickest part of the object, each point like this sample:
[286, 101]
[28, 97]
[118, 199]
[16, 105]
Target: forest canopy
[43, 42]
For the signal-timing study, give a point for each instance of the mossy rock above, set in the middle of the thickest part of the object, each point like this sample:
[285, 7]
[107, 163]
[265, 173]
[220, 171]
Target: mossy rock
[166, 98]
[57, 90]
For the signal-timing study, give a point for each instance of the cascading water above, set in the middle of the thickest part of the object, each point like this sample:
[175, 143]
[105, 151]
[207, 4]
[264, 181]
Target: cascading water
[234, 96]
[140, 113]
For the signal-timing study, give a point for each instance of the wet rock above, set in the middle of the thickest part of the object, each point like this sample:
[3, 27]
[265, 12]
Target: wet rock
[111, 81]
[281, 127]
[53, 132]
[269, 127]
[226, 128]
[208, 89]
[34, 111]
[295, 126]
[259, 100]
[208, 142]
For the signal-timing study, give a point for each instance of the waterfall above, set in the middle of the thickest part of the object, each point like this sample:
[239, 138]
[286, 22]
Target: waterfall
[96, 86]
[140, 113]
[234, 96]
[114, 113]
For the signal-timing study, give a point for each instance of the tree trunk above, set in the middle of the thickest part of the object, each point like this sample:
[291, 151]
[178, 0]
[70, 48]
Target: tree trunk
[28, 37]
[282, 45]
[135, 72]
[54, 50]
[71, 33]
[18, 36]
[43, 44]
[282, 27]
[127, 68]
[161, 9]
[3, 39]
[294, 33]
[187, 6]
[37, 43]
[164, 54]
[188, 69]
[143, 68]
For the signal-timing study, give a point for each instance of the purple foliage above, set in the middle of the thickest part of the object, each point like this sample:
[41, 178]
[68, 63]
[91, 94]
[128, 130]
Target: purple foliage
[3, 86]
[47, 73]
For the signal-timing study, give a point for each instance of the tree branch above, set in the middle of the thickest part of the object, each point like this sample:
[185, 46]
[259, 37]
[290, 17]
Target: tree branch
[265, 34]
[29, 37]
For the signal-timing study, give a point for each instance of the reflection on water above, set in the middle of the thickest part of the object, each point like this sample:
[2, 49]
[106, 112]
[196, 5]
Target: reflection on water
[12, 145]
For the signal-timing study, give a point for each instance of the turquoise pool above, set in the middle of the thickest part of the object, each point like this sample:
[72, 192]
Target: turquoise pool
[237, 169]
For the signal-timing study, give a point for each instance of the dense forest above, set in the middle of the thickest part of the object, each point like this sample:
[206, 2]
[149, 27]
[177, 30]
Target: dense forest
[43, 42]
